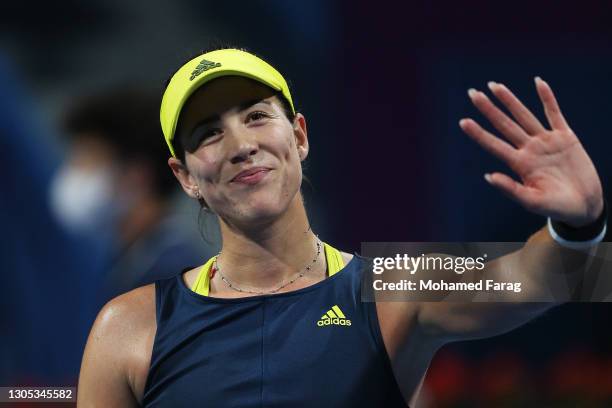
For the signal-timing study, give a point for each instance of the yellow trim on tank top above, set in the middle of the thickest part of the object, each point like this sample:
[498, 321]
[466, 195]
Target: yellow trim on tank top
[201, 286]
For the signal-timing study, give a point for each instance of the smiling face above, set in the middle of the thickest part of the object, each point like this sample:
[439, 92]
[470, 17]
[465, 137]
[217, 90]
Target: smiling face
[242, 154]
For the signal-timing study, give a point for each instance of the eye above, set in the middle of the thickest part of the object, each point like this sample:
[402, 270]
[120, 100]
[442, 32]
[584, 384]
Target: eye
[209, 133]
[203, 135]
[257, 116]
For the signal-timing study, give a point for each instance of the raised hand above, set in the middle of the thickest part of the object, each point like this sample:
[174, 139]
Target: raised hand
[558, 178]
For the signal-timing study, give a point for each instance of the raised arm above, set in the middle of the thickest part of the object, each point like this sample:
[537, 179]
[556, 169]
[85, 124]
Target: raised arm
[557, 179]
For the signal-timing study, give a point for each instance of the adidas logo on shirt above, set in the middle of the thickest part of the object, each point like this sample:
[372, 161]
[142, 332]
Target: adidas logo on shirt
[334, 316]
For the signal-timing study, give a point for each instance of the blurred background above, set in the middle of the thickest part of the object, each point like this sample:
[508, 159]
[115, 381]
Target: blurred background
[87, 214]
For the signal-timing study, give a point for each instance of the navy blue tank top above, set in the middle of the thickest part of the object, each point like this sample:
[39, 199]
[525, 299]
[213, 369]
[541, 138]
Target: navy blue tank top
[318, 346]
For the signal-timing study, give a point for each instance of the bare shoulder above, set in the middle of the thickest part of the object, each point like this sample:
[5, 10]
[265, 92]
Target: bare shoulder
[127, 314]
[117, 356]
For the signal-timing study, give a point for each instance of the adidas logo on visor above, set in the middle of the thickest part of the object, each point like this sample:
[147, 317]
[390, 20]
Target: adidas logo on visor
[334, 316]
[204, 65]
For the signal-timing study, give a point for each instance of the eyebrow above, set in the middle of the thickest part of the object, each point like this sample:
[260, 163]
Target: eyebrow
[241, 108]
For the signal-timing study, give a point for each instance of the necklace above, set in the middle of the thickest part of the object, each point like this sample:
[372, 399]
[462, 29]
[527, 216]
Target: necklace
[215, 268]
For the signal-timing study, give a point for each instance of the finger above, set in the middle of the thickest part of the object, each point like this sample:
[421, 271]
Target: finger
[513, 132]
[512, 188]
[523, 116]
[494, 145]
[551, 107]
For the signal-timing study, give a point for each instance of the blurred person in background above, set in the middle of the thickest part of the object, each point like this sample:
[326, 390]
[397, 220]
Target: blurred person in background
[115, 189]
[45, 284]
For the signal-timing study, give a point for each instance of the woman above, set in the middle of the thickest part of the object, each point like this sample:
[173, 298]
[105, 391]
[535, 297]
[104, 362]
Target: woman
[276, 319]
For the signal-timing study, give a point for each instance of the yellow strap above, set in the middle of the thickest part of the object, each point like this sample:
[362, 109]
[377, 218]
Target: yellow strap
[334, 259]
[201, 286]
[202, 283]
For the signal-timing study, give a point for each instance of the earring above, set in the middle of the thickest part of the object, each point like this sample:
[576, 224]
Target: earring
[203, 204]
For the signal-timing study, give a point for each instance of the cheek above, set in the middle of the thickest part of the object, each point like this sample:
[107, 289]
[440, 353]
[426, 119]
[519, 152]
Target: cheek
[285, 144]
[205, 167]
[294, 165]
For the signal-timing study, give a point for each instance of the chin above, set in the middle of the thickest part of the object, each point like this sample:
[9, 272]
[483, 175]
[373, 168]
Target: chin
[261, 207]
[260, 212]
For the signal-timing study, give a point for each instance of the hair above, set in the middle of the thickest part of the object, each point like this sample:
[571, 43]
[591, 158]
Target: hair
[125, 118]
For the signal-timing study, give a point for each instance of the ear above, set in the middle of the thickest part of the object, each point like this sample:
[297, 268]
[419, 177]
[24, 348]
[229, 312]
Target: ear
[301, 135]
[183, 176]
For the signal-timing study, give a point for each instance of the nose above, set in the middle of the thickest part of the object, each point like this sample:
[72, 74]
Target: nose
[243, 146]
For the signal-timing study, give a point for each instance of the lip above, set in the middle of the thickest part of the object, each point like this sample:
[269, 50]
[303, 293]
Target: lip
[250, 176]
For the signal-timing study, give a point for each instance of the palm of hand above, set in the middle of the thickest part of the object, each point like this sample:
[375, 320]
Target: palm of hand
[558, 179]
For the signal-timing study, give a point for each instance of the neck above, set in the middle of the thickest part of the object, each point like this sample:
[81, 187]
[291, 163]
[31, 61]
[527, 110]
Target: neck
[273, 253]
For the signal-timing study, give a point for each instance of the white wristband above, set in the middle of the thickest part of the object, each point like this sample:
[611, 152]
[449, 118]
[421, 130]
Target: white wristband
[575, 244]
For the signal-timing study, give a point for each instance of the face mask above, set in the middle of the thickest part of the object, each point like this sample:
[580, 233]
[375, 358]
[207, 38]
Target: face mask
[83, 200]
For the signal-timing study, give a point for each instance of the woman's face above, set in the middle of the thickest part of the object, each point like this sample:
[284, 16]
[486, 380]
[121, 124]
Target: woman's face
[245, 157]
